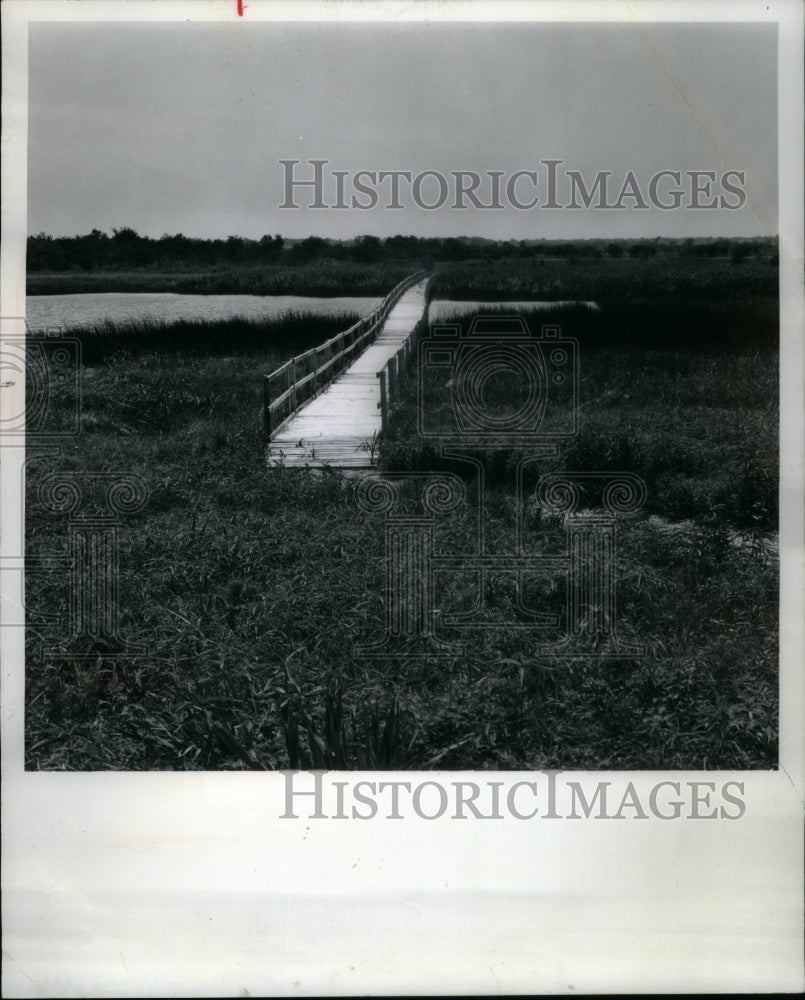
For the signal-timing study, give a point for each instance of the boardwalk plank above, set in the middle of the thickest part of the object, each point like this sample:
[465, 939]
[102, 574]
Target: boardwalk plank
[338, 427]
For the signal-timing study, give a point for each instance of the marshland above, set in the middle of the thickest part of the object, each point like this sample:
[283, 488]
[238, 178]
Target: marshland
[246, 588]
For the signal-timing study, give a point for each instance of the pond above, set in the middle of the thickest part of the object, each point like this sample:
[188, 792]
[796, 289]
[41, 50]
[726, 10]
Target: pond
[82, 310]
[87, 309]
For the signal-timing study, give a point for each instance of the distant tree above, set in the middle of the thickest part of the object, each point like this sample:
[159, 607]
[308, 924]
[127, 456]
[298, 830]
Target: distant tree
[401, 247]
[39, 252]
[126, 235]
[718, 248]
[367, 248]
[91, 251]
[642, 250]
[129, 249]
[308, 249]
[614, 250]
[271, 246]
[739, 253]
[235, 248]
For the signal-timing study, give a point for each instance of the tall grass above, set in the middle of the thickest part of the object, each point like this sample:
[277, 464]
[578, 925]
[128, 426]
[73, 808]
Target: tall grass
[687, 400]
[324, 278]
[248, 588]
[290, 333]
[507, 277]
[621, 280]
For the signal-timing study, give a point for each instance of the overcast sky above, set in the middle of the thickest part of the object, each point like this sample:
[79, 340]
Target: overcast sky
[181, 127]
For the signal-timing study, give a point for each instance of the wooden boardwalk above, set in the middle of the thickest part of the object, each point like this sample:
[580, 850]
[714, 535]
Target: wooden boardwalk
[339, 427]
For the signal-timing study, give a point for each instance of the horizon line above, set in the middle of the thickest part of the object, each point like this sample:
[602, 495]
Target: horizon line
[465, 236]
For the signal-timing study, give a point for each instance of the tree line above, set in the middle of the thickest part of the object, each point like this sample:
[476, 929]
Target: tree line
[126, 249]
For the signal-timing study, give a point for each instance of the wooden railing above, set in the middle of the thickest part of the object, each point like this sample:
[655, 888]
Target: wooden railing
[391, 373]
[291, 385]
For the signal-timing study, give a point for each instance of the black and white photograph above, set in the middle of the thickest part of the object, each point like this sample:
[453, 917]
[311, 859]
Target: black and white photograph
[394, 402]
[315, 297]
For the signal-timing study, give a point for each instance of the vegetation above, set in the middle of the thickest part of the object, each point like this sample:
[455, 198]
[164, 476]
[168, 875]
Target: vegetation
[325, 278]
[247, 589]
[694, 414]
[475, 267]
[613, 280]
[293, 333]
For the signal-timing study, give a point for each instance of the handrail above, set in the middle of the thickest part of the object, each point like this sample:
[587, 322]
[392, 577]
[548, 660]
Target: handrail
[391, 373]
[296, 381]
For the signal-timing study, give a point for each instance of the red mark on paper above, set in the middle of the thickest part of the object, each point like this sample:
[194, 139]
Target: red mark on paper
[241, 8]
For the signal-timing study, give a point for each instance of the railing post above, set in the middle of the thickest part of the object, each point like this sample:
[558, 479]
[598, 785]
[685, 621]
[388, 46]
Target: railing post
[321, 358]
[292, 384]
[392, 377]
[266, 406]
[383, 399]
[345, 347]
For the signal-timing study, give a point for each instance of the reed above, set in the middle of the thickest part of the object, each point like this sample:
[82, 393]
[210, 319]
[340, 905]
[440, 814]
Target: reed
[248, 588]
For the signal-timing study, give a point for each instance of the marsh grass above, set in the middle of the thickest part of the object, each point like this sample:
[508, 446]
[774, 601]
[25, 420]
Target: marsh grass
[622, 280]
[695, 415]
[246, 589]
[322, 278]
[288, 334]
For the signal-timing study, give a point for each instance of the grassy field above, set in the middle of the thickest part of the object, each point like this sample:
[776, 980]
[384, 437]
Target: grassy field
[326, 278]
[601, 278]
[604, 279]
[247, 589]
[694, 414]
[268, 338]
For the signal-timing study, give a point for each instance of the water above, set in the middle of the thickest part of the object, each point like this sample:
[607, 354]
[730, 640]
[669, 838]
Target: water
[86, 309]
[440, 309]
